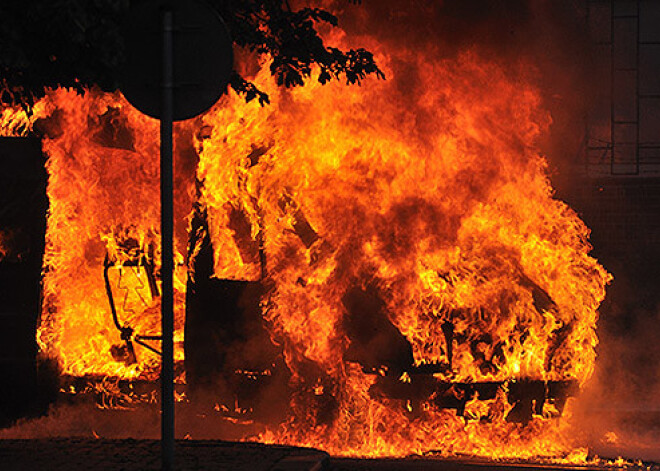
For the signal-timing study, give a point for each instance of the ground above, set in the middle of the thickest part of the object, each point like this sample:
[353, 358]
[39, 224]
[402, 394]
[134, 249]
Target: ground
[72, 454]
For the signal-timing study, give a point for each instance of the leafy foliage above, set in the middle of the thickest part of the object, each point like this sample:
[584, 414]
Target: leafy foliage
[77, 43]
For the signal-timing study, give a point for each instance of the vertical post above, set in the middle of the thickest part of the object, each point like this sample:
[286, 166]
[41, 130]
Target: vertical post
[167, 263]
[612, 91]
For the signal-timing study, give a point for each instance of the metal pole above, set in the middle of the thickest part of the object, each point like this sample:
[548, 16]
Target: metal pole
[166, 228]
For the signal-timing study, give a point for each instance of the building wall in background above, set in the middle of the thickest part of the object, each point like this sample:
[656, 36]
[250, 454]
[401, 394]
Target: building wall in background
[623, 125]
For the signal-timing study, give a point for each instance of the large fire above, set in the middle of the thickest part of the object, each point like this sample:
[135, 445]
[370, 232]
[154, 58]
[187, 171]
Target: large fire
[360, 211]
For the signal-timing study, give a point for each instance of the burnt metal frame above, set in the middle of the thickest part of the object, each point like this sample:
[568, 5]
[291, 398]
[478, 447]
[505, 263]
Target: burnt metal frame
[128, 334]
[525, 395]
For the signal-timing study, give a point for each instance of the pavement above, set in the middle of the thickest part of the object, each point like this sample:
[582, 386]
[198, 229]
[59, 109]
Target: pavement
[429, 463]
[73, 454]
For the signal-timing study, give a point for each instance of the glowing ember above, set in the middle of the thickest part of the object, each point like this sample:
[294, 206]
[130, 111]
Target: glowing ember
[4, 246]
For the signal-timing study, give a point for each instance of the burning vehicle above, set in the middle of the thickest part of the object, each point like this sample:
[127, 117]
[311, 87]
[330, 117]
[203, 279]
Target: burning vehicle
[373, 271]
[397, 283]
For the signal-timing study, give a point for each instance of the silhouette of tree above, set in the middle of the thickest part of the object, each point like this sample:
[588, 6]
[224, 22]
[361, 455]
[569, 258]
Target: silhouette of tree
[78, 44]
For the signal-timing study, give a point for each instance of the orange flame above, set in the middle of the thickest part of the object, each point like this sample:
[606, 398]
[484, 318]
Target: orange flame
[450, 220]
[103, 192]
[439, 208]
